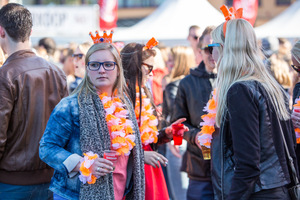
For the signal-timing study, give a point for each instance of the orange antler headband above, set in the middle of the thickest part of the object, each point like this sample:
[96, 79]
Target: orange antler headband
[229, 14]
[104, 39]
[150, 44]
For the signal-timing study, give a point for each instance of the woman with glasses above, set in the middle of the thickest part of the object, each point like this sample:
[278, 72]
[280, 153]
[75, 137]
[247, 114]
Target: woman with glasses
[248, 154]
[98, 116]
[138, 64]
[79, 63]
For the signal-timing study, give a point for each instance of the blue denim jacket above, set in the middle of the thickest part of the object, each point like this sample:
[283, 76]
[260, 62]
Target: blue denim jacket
[61, 140]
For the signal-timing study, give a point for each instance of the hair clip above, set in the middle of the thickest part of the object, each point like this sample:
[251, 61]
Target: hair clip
[150, 44]
[229, 14]
[104, 39]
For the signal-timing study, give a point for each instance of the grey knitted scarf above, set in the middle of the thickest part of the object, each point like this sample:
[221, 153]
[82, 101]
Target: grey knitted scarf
[94, 136]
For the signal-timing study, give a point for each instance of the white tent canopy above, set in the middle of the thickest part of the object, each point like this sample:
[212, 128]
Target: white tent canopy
[171, 21]
[285, 25]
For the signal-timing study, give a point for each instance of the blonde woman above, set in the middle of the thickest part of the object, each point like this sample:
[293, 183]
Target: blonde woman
[181, 60]
[79, 124]
[248, 155]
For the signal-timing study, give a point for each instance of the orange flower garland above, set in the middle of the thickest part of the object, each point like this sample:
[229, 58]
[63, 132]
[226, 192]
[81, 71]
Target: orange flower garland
[85, 168]
[297, 130]
[208, 126]
[119, 125]
[148, 123]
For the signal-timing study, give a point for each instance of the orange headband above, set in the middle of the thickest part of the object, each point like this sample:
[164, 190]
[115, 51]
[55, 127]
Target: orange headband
[150, 44]
[229, 14]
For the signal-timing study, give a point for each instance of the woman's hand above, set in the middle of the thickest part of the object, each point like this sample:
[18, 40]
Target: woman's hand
[169, 132]
[152, 158]
[101, 167]
[296, 118]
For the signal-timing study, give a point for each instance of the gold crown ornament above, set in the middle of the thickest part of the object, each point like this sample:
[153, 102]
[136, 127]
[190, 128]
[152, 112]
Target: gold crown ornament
[104, 39]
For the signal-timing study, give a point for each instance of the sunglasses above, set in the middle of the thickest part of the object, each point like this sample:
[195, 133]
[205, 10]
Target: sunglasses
[296, 68]
[149, 68]
[80, 55]
[209, 48]
[195, 37]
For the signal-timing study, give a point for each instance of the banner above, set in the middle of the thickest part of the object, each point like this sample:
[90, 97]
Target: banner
[250, 9]
[64, 21]
[108, 14]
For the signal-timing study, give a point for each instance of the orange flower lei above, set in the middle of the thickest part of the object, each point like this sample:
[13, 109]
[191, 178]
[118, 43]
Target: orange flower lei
[148, 123]
[297, 130]
[208, 126]
[85, 168]
[119, 125]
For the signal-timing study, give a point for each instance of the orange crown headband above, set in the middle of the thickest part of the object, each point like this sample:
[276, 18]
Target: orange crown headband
[150, 44]
[104, 39]
[229, 14]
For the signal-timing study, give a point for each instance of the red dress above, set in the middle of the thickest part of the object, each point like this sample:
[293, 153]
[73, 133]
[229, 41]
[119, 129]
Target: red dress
[156, 187]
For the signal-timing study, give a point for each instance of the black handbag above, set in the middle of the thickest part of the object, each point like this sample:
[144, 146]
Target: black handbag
[294, 191]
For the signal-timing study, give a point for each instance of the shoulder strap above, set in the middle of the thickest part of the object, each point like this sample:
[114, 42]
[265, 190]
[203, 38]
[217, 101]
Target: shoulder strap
[291, 163]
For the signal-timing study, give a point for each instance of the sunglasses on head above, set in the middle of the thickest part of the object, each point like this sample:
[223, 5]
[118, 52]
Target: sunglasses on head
[149, 68]
[208, 49]
[296, 68]
[79, 55]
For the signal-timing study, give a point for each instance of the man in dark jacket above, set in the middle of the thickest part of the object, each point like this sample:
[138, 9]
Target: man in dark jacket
[193, 93]
[30, 88]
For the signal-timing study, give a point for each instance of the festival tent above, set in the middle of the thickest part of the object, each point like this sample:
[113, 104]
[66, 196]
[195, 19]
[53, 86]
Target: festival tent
[285, 25]
[171, 21]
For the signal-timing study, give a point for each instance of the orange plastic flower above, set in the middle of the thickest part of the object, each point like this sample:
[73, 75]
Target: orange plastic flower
[207, 129]
[94, 178]
[85, 171]
[116, 128]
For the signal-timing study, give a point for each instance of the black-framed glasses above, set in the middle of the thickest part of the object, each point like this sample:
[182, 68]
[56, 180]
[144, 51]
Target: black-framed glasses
[296, 68]
[149, 68]
[107, 65]
[208, 49]
[79, 55]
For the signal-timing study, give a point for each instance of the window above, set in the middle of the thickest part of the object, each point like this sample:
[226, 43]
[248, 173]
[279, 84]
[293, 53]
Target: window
[138, 3]
[229, 3]
[283, 2]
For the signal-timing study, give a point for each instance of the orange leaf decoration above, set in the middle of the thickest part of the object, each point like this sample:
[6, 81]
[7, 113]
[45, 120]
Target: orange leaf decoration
[150, 44]
[229, 14]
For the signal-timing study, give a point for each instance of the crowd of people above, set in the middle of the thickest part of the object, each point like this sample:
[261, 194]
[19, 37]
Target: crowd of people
[63, 109]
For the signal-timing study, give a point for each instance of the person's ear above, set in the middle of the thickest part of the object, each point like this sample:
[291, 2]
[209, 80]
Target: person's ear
[2, 32]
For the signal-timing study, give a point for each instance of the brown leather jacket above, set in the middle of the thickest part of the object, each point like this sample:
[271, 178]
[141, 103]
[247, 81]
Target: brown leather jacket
[30, 88]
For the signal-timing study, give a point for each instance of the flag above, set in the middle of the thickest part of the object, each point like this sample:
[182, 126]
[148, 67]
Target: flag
[249, 9]
[108, 14]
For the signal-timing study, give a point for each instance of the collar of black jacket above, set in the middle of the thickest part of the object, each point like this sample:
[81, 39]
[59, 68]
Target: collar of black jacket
[200, 71]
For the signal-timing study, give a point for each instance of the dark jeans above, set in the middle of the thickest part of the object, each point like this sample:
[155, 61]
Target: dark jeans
[25, 192]
[200, 190]
[280, 193]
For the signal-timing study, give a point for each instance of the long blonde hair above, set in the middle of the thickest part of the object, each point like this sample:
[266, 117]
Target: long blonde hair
[119, 86]
[184, 59]
[241, 61]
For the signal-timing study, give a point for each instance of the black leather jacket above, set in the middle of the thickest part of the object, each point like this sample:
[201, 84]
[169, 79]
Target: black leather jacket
[193, 93]
[169, 96]
[248, 153]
